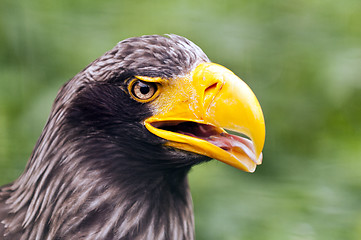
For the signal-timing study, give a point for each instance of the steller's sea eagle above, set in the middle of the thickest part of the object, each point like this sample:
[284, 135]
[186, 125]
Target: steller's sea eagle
[113, 158]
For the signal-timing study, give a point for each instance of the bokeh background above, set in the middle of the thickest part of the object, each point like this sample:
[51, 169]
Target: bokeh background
[301, 58]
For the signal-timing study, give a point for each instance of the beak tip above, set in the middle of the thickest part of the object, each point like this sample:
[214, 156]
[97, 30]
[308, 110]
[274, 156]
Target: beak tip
[251, 170]
[260, 159]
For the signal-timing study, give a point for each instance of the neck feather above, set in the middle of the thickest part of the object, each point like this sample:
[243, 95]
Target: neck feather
[73, 194]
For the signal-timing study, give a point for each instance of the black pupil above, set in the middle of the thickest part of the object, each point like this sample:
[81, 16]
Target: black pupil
[144, 88]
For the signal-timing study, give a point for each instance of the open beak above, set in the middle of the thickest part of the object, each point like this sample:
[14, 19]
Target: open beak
[193, 113]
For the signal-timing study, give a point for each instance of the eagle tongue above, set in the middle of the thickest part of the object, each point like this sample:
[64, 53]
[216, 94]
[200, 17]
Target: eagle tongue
[226, 141]
[230, 142]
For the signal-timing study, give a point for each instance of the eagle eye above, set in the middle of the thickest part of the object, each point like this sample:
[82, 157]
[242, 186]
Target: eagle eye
[143, 91]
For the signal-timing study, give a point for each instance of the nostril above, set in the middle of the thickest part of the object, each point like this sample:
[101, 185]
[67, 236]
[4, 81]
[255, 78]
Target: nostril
[210, 88]
[210, 93]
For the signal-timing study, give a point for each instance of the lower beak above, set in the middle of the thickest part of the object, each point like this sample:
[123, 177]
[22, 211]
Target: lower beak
[197, 110]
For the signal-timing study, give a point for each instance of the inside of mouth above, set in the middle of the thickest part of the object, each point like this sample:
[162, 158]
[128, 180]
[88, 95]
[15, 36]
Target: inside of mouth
[238, 134]
[229, 141]
[192, 129]
[209, 133]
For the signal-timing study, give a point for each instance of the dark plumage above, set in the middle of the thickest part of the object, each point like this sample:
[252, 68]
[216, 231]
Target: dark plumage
[96, 172]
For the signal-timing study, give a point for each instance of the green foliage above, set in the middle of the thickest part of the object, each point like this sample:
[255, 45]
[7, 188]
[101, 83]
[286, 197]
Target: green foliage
[301, 58]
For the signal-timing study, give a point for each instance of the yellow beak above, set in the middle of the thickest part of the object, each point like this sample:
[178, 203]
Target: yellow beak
[192, 113]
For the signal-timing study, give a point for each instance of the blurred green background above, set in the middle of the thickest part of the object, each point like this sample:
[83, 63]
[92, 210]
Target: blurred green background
[301, 58]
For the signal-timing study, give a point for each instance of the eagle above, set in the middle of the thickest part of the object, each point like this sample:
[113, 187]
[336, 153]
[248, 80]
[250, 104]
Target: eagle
[113, 158]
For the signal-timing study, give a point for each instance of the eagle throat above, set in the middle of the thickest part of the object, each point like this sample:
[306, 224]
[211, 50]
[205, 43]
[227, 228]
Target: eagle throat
[103, 199]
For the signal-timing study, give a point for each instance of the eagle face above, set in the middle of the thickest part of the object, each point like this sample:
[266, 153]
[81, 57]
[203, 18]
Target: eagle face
[163, 90]
[112, 160]
[113, 97]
